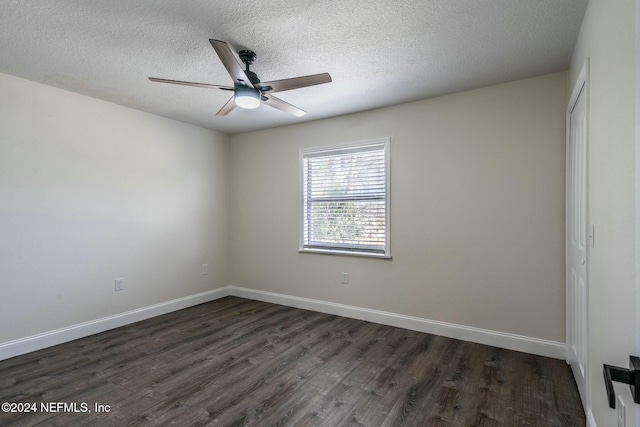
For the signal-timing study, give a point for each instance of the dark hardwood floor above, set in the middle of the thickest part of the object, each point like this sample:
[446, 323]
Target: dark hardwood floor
[237, 362]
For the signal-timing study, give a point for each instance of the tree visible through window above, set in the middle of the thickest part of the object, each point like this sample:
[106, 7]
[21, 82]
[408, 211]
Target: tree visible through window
[345, 200]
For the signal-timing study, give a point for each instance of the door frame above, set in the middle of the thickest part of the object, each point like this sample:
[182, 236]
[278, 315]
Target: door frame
[582, 83]
[637, 190]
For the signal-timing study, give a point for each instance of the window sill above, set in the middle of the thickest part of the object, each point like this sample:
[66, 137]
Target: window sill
[347, 253]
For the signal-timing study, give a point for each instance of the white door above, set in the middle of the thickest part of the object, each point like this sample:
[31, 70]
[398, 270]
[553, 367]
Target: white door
[637, 192]
[577, 239]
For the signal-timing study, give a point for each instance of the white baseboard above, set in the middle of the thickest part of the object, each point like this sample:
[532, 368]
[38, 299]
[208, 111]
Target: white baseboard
[47, 339]
[467, 333]
[522, 343]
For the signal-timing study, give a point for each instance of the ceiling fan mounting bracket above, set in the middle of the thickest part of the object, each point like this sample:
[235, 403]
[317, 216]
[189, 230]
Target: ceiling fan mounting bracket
[247, 56]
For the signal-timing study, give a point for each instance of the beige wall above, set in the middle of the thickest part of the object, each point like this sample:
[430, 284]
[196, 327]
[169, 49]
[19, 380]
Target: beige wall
[477, 208]
[607, 37]
[91, 191]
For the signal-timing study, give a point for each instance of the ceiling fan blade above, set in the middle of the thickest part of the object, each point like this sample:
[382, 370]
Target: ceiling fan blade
[230, 62]
[180, 82]
[227, 108]
[282, 105]
[296, 82]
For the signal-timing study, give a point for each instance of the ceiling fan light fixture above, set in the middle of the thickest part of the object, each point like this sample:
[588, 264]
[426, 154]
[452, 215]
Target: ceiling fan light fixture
[246, 97]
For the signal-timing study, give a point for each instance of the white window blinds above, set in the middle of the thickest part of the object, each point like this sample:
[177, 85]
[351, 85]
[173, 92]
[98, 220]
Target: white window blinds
[345, 199]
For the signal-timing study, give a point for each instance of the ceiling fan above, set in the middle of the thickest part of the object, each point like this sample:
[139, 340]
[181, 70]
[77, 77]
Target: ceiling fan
[248, 90]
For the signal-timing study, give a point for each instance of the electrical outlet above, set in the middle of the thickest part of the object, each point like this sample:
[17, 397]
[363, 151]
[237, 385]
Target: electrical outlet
[119, 284]
[621, 412]
[205, 269]
[344, 278]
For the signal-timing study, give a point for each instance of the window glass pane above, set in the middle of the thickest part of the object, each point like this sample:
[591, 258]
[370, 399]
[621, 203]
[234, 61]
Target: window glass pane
[348, 222]
[344, 198]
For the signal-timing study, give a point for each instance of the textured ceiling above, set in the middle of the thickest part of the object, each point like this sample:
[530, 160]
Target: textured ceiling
[378, 52]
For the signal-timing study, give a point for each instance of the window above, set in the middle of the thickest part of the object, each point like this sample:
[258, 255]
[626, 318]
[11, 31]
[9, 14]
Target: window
[345, 199]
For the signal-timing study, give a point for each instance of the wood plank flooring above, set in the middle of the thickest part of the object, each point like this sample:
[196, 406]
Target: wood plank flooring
[237, 362]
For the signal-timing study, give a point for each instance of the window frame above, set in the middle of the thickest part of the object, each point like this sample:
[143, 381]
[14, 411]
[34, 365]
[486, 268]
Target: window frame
[385, 143]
